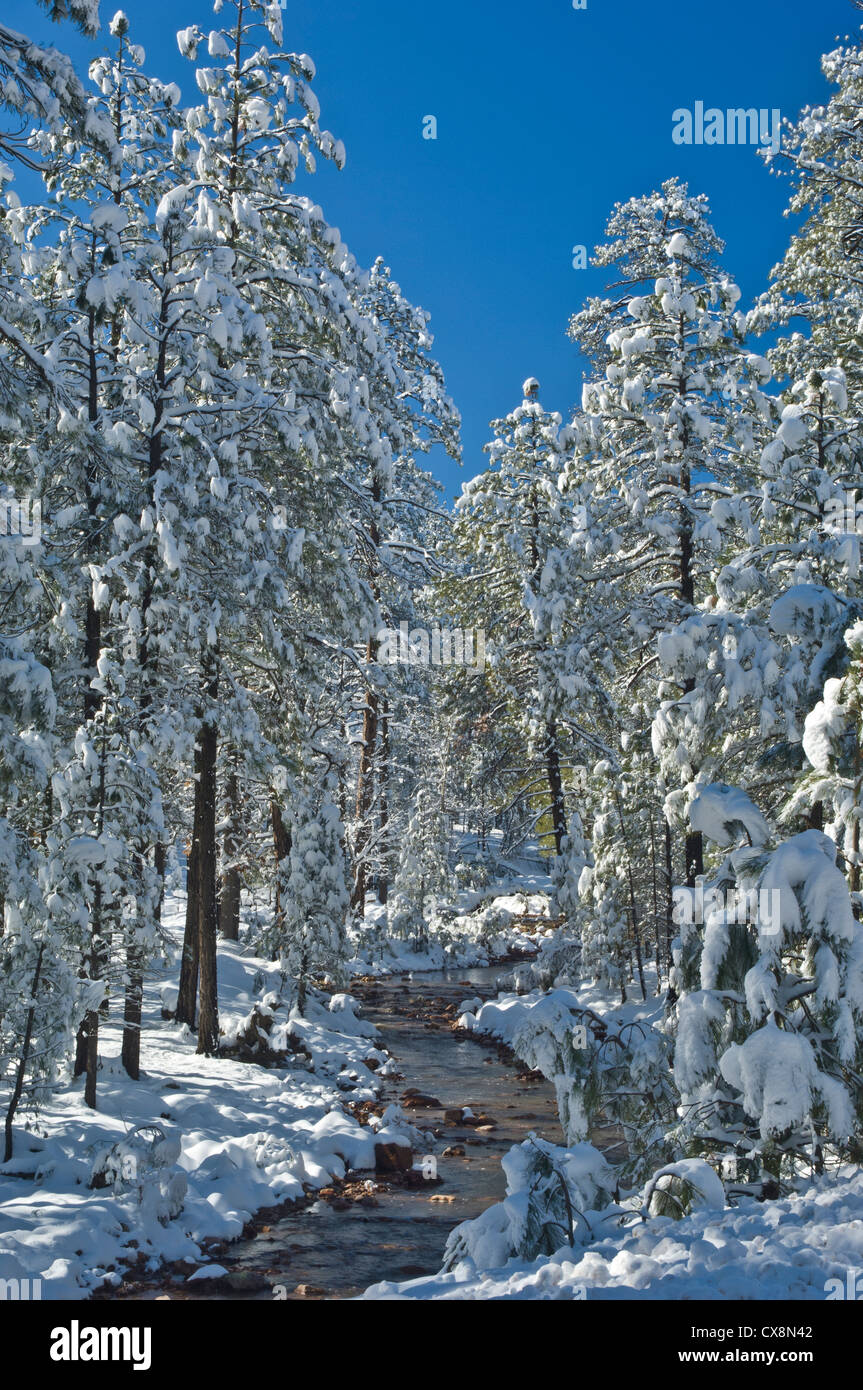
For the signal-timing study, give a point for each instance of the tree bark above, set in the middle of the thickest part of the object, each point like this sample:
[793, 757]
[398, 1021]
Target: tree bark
[281, 848]
[189, 964]
[555, 786]
[669, 908]
[383, 783]
[208, 911]
[132, 1007]
[25, 1057]
[230, 886]
[364, 790]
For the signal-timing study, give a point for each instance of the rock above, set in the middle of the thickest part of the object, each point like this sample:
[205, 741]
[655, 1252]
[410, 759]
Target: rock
[485, 1129]
[441, 1197]
[453, 1117]
[453, 1151]
[309, 1291]
[417, 1100]
[417, 1178]
[393, 1158]
[244, 1281]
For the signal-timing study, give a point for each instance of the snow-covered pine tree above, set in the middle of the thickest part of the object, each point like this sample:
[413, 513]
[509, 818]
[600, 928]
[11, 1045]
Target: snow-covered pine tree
[510, 534]
[668, 429]
[830, 788]
[766, 1027]
[396, 503]
[316, 898]
[37, 984]
[38, 83]
[423, 873]
[817, 282]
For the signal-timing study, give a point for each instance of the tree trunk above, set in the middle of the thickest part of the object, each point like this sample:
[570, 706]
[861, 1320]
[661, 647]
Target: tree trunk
[281, 848]
[230, 886]
[25, 1057]
[189, 965]
[208, 911]
[364, 790]
[87, 1039]
[669, 908]
[131, 1048]
[383, 783]
[555, 786]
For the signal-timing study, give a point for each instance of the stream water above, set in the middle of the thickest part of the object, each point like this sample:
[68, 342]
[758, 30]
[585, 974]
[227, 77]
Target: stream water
[336, 1254]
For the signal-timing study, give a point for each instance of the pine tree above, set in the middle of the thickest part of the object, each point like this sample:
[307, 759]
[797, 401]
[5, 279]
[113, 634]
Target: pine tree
[766, 1051]
[665, 444]
[316, 896]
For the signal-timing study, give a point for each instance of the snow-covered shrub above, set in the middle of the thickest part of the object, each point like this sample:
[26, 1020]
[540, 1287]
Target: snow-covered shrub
[606, 1072]
[558, 960]
[682, 1187]
[144, 1166]
[551, 1194]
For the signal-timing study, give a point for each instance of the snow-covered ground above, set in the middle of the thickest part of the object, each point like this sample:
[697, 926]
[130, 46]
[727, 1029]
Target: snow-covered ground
[244, 1137]
[778, 1250]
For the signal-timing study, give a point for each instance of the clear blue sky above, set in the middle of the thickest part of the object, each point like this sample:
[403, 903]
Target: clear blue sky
[546, 117]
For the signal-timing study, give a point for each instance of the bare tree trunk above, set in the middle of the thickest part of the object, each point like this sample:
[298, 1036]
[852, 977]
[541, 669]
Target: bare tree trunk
[669, 909]
[130, 1054]
[694, 839]
[87, 1039]
[230, 886]
[281, 848]
[187, 998]
[383, 783]
[655, 890]
[132, 1007]
[555, 786]
[24, 1058]
[208, 911]
[364, 790]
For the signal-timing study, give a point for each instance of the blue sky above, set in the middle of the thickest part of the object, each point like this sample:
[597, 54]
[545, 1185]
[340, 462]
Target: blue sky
[546, 116]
